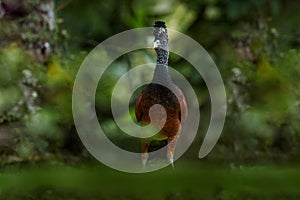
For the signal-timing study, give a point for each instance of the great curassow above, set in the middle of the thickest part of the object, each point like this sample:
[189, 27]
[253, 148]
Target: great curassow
[164, 92]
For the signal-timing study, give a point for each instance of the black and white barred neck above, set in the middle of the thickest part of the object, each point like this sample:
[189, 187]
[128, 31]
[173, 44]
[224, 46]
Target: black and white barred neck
[161, 47]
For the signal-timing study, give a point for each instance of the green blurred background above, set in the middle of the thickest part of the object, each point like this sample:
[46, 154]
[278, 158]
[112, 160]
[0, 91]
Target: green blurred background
[256, 46]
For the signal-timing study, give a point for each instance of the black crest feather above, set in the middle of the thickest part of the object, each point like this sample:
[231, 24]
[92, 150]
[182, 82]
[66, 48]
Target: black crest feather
[160, 24]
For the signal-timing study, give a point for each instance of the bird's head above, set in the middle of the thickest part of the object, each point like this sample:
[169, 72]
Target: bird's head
[161, 45]
[160, 36]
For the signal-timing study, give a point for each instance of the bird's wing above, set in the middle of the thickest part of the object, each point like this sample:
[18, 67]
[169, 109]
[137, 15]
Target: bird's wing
[184, 109]
[138, 108]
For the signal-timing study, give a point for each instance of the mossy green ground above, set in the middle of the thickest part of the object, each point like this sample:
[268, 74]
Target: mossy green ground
[190, 180]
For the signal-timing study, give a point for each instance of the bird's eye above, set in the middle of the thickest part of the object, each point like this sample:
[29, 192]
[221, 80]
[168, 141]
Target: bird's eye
[156, 43]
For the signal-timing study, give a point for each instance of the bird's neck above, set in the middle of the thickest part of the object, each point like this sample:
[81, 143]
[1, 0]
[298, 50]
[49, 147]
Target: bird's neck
[162, 56]
[161, 73]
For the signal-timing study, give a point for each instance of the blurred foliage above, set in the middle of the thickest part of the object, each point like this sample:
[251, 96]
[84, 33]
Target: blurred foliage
[191, 181]
[255, 45]
[37, 99]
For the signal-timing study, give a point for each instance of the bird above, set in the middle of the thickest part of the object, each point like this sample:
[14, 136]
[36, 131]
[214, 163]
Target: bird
[173, 112]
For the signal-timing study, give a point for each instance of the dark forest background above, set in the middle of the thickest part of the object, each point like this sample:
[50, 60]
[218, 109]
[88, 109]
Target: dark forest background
[256, 46]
